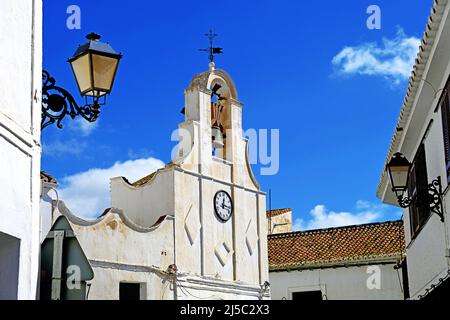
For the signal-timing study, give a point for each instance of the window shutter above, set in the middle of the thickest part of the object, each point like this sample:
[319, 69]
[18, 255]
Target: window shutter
[412, 192]
[422, 184]
[445, 112]
[418, 187]
[405, 281]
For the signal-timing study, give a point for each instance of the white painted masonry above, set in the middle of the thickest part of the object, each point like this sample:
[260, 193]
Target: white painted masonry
[20, 149]
[340, 283]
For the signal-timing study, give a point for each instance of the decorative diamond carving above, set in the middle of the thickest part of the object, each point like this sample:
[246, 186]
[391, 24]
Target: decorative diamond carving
[192, 225]
[223, 252]
[251, 237]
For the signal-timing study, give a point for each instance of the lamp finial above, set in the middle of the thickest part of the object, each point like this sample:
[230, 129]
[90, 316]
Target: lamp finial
[93, 36]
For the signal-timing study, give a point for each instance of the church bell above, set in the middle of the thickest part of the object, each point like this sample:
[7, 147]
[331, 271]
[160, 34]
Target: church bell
[217, 137]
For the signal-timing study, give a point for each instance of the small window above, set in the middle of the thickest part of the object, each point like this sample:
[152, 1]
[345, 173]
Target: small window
[307, 295]
[418, 187]
[130, 291]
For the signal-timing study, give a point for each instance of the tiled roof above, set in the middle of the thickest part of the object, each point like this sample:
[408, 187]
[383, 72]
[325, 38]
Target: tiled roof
[277, 212]
[149, 177]
[48, 178]
[350, 245]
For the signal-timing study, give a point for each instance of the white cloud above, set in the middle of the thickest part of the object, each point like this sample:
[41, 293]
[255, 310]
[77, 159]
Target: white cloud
[321, 217]
[82, 126]
[87, 193]
[394, 59]
[139, 153]
[59, 148]
[74, 147]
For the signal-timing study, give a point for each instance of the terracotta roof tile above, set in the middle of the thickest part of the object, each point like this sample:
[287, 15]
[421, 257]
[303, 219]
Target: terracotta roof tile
[336, 246]
[144, 180]
[149, 177]
[277, 212]
[48, 178]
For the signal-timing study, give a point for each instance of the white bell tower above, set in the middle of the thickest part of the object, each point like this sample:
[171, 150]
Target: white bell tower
[220, 210]
[207, 115]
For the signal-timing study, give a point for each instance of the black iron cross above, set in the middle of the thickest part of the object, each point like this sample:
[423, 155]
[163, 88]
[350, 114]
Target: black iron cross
[212, 50]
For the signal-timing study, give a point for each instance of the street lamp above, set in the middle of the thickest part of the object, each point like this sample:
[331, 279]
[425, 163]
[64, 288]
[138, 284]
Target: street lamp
[94, 66]
[399, 169]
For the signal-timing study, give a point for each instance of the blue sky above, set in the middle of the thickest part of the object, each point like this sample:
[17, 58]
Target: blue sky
[329, 84]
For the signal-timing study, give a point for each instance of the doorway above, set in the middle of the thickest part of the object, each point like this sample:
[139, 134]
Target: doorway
[9, 266]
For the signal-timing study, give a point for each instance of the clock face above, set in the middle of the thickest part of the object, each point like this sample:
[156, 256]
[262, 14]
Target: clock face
[223, 205]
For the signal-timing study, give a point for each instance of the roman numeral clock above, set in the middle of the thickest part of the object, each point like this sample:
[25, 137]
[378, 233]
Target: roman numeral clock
[223, 205]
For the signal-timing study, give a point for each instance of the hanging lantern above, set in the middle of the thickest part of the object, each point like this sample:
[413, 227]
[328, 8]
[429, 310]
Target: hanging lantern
[399, 168]
[94, 65]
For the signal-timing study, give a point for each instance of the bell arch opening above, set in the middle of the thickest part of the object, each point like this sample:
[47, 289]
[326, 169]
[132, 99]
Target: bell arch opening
[221, 118]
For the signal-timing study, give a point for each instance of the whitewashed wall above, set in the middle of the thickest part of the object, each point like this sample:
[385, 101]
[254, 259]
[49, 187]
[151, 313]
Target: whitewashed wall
[426, 253]
[20, 150]
[281, 223]
[145, 204]
[338, 283]
[120, 251]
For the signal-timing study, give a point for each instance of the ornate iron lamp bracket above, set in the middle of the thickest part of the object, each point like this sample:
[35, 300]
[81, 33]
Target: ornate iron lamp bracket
[433, 198]
[58, 102]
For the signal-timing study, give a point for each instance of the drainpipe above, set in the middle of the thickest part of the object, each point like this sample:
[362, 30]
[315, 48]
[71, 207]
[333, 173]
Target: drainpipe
[175, 290]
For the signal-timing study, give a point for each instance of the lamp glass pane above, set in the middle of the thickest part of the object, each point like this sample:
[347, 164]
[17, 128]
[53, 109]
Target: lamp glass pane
[399, 175]
[81, 69]
[104, 71]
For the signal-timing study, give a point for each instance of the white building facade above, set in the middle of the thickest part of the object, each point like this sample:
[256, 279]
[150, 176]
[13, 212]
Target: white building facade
[195, 229]
[20, 149]
[358, 262]
[422, 136]
[337, 283]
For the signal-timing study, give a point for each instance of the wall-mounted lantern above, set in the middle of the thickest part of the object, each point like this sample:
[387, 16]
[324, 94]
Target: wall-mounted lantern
[94, 65]
[399, 169]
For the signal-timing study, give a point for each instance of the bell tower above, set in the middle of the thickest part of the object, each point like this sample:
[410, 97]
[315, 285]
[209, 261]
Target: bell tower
[211, 100]
[220, 210]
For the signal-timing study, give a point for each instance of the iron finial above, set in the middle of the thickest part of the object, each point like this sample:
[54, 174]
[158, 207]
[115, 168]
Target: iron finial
[212, 50]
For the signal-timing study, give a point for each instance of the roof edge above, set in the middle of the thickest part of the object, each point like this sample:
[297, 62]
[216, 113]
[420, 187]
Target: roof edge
[276, 212]
[366, 225]
[64, 211]
[387, 259]
[422, 60]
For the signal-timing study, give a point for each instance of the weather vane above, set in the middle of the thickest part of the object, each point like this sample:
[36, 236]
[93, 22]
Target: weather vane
[212, 50]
